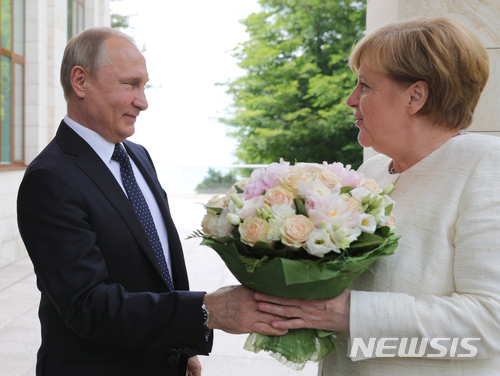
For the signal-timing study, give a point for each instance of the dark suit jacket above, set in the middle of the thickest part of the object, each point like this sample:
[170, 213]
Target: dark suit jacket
[105, 309]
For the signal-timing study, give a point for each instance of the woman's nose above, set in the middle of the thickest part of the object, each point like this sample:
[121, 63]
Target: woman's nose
[353, 99]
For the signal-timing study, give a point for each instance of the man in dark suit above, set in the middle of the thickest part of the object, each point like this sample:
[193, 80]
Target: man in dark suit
[97, 226]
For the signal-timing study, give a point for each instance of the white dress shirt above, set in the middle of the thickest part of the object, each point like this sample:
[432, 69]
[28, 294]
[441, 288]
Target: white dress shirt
[104, 149]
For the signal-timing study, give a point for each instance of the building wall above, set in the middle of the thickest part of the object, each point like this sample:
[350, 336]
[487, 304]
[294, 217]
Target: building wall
[481, 16]
[45, 40]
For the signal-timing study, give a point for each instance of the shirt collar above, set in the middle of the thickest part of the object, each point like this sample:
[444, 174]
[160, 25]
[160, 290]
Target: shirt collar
[102, 147]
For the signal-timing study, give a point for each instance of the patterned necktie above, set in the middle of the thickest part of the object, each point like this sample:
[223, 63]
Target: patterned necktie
[140, 206]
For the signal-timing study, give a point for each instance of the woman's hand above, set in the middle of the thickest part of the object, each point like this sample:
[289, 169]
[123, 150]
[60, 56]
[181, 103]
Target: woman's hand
[330, 315]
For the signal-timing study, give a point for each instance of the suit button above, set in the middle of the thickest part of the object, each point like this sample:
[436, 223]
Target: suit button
[172, 359]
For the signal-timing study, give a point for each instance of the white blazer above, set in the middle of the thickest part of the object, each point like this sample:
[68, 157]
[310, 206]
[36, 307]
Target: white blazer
[443, 281]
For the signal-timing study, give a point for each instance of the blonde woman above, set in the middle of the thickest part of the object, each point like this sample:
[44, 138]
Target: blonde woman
[419, 82]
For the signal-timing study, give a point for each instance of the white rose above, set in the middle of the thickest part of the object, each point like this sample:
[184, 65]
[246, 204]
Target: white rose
[274, 233]
[282, 212]
[360, 193]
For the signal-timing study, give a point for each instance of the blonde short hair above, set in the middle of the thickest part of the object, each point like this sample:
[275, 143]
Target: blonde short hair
[440, 51]
[87, 50]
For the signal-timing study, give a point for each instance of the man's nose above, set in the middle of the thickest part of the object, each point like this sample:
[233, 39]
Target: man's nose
[140, 100]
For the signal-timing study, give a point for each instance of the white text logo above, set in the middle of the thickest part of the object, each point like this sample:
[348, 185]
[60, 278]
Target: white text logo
[440, 347]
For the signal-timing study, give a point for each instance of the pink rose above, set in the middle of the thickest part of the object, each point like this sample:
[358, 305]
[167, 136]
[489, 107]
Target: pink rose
[330, 179]
[278, 196]
[352, 203]
[242, 184]
[296, 230]
[253, 230]
[294, 177]
[370, 184]
[209, 223]
[216, 202]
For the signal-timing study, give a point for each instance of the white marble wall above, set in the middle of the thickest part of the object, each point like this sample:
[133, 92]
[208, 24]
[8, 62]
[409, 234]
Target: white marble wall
[481, 16]
[11, 247]
[46, 38]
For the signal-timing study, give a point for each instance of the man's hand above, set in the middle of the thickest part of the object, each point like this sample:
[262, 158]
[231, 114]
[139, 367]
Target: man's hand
[234, 310]
[331, 315]
[193, 367]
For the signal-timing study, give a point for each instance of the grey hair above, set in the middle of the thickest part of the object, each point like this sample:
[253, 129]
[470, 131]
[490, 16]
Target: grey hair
[87, 50]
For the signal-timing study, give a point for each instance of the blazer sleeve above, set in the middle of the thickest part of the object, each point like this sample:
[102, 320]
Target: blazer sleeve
[473, 311]
[71, 271]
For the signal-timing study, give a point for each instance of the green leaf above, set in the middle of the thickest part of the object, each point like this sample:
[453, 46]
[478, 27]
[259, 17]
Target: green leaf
[214, 208]
[196, 234]
[366, 240]
[384, 231]
[299, 205]
[346, 189]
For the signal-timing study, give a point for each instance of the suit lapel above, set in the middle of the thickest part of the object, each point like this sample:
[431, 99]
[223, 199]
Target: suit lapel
[141, 159]
[90, 163]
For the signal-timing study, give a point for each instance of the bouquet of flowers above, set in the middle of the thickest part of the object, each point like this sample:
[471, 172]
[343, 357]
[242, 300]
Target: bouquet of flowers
[303, 231]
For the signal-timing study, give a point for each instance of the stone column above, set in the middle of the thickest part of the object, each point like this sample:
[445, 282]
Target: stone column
[45, 40]
[481, 16]
[97, 13]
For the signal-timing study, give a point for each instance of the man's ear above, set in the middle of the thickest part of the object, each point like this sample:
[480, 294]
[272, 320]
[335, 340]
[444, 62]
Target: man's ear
[418, 92]
[78, 79]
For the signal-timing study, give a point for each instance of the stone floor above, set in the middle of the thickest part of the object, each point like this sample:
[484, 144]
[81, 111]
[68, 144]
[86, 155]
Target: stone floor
[20, 331]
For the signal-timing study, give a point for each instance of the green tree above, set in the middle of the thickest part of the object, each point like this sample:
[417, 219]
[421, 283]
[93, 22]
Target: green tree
[119, 21]
[216, 182]
[291, 101]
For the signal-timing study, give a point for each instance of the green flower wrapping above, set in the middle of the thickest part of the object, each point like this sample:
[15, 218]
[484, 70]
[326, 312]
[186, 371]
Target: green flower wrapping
[293, 274]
